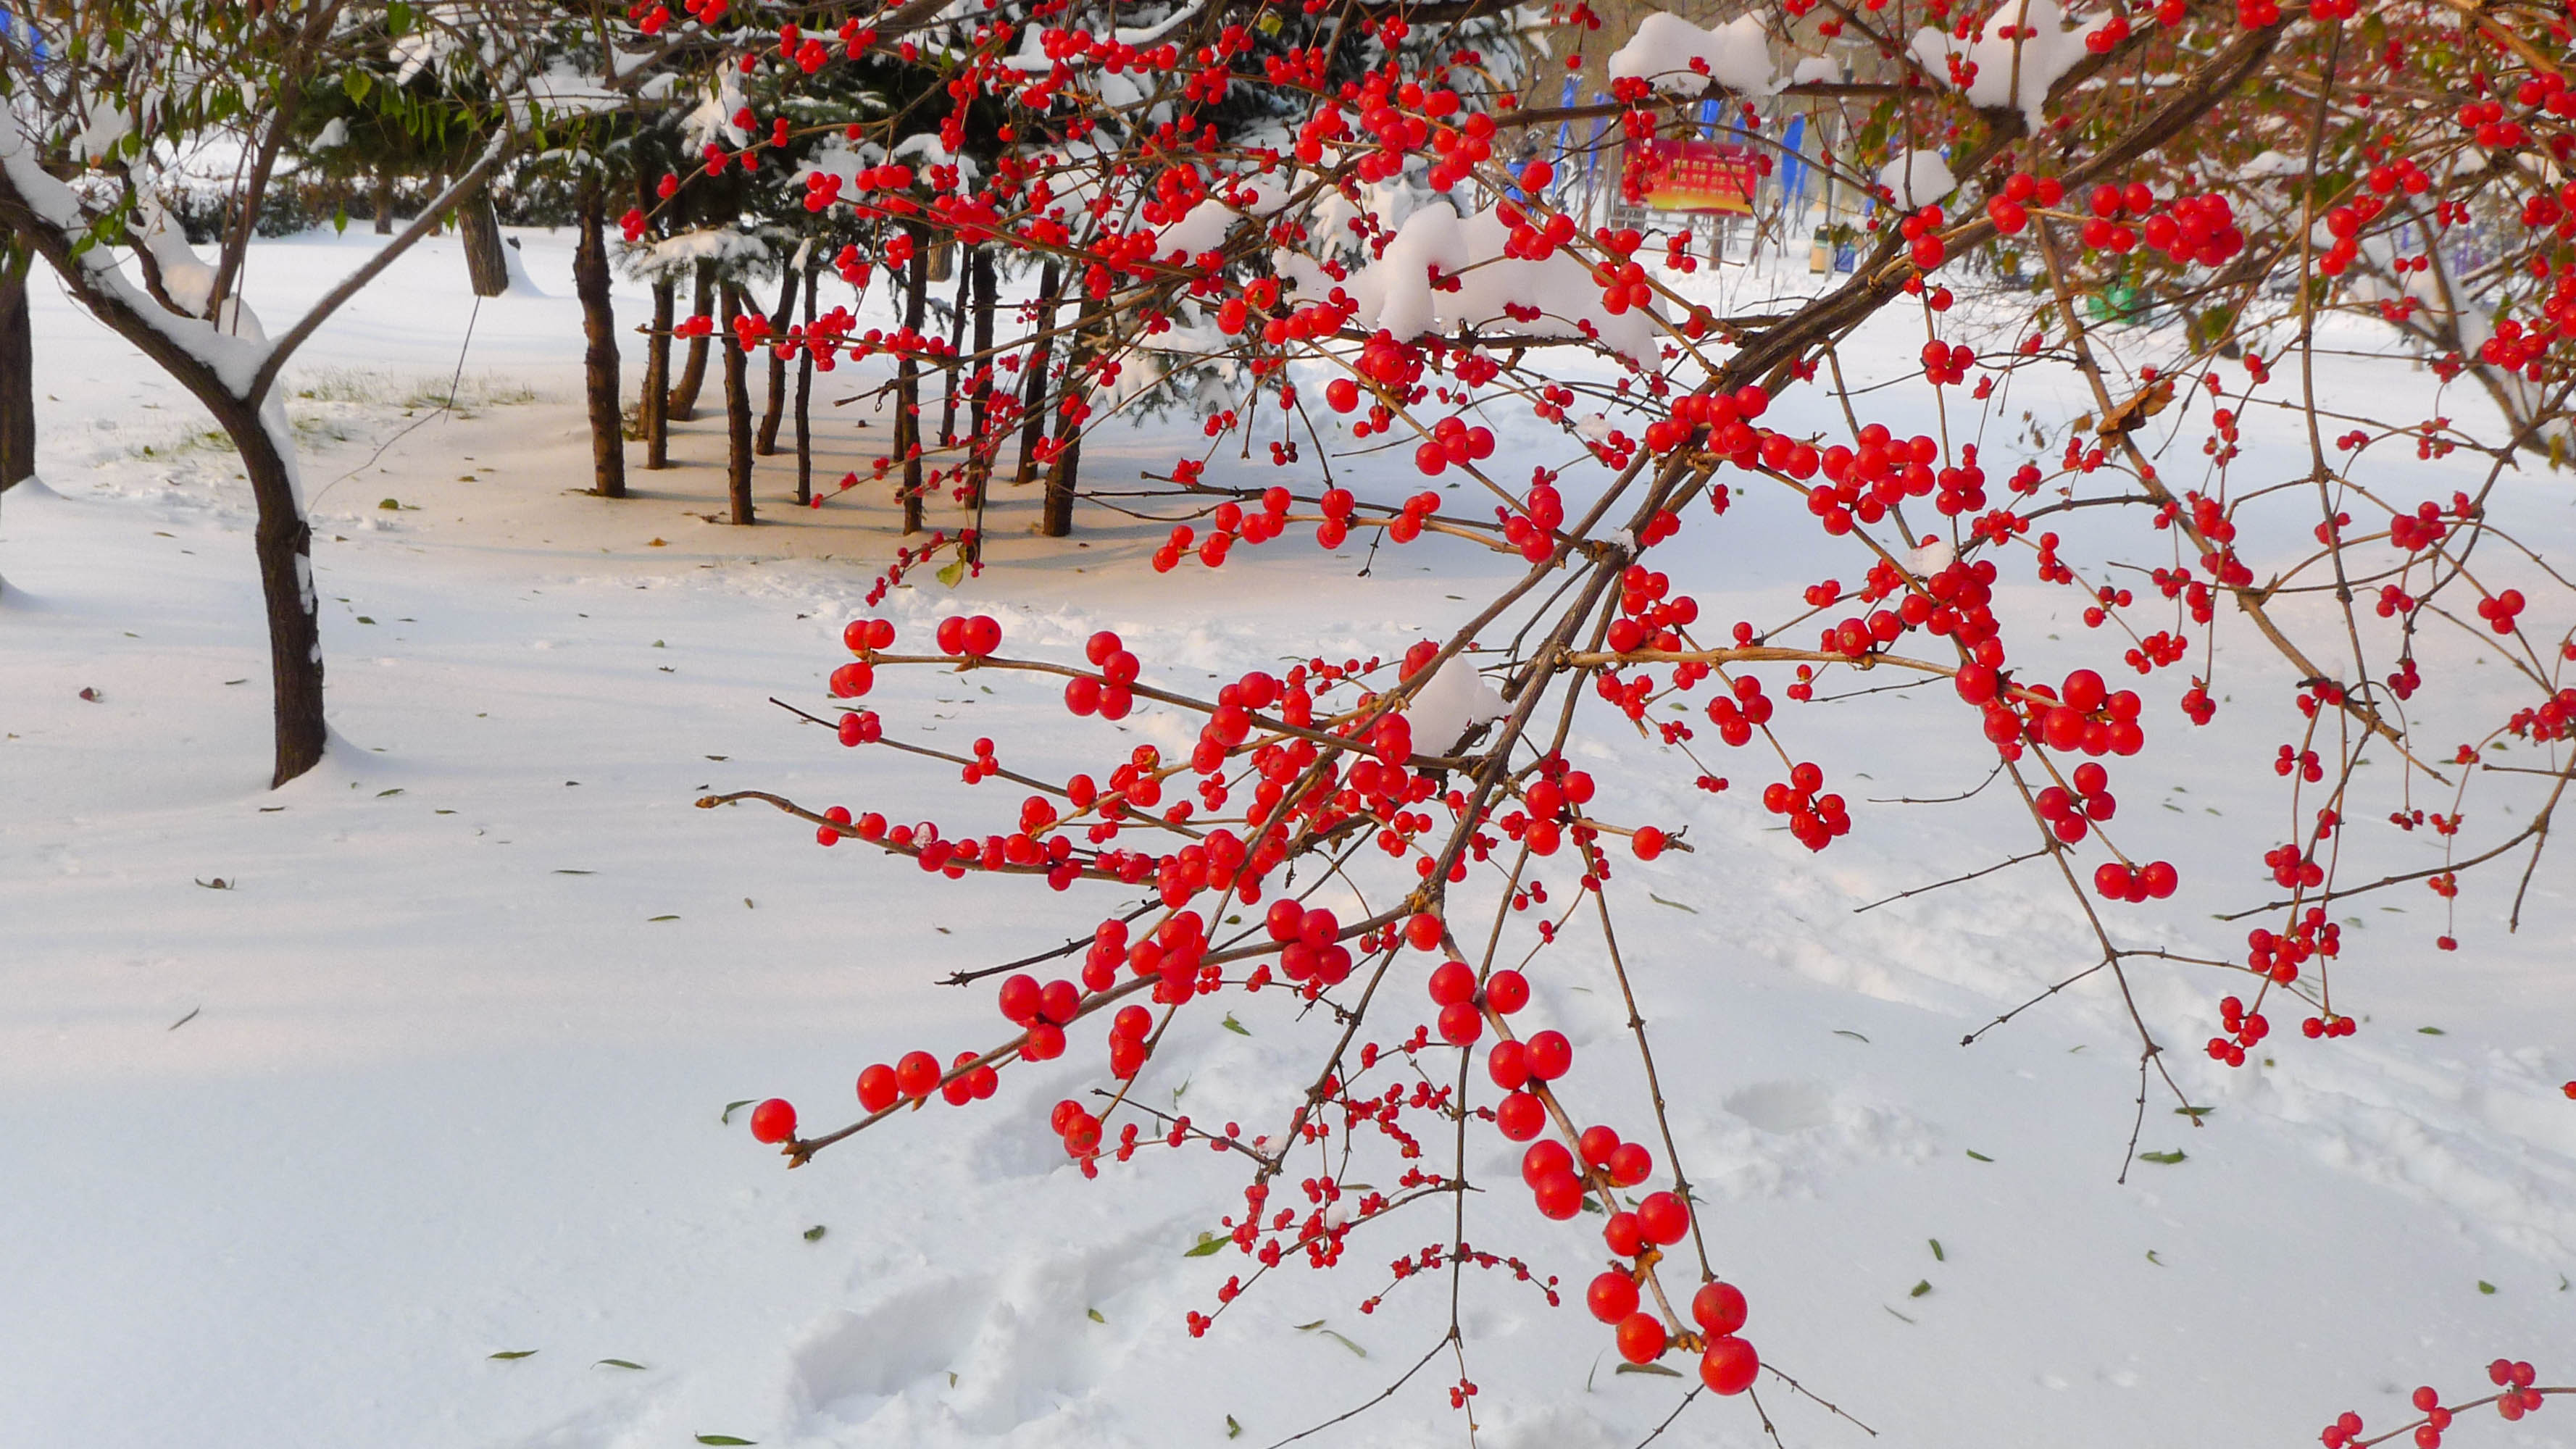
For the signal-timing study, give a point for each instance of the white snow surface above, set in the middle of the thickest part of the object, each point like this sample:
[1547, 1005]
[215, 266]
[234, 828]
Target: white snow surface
[1682, 58]
[437, 1074]
[2012, 68]
[1917, 178]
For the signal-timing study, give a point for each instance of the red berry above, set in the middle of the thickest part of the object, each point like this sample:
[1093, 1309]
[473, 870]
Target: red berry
[1560, 1195]
[877, 1089]
[917, 1073]
[1544, 1159]
[773, 1121]
[1508, 1065]
[1641, 1338]
[1718, 1308]
[1622, 1235]
[1663, 1218]
[1453, 982]
[1630, 1163]
[1550, 1055]
[1422, 929]
[1729, 1365]
[1612, 1296]
[1461, 1024]
[1520, 1116]
[1019, 999]
[1506, 992]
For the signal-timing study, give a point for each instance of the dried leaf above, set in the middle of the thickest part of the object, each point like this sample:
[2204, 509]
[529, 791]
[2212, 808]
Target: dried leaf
[1981, 1157]
[726, 1118]
[1676, 905]
[1233, 1430]
[617, 1363]
[814, 1234]
[514, 1353]
[1647, 1368]
[724, 1439]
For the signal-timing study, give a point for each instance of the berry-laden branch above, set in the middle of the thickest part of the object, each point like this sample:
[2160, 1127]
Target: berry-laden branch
[1348, 237]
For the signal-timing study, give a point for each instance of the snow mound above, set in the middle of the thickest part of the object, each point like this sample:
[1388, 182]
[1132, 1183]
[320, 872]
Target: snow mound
[1682, 58]
[1918, 178]
[1452, 701]
[2018, 54]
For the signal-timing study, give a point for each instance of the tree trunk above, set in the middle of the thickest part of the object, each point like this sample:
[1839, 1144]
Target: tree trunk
[956, 342]
[599, 330]
[907, 419]
[479, 227]
[737, 390]
[775, 405]
[980, 450]
[1034, 389]
[17, 370]
[383, 187]
[693, 371]
[804, 399]
[653, 408]
[1056, 519]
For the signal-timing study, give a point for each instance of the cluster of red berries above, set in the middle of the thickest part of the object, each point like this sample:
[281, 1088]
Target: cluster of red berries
[2500, 610]
[2517, 1397]
[1108, 694]
[1814, 819]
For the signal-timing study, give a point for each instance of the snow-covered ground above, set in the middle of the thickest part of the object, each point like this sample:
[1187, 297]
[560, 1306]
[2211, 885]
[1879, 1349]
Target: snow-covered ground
[437, 1073]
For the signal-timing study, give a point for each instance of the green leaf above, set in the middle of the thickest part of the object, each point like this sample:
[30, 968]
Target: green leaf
[357, 83]
[1855, 1036]
[2485, 1287]
[1919, 1289]
[340, 220]
[617, 1363]
[724, 1439]
[1318, 1327]
[1676, 905]
[380, 794]
[1238, 1028]
[952, 572]
[390, 505]
[2167, 1158]
[2152, 1258]
[727, 1118]
[1095, 1315]
[1233, 1430]
[2194, 1113]
[651, 919]
[1647, 1368]
[814, 1234]
[1981, 1157]
[363, 619]
[1937, 1255]
[1208, 1243]
[2432, 1031]
[525, 1352]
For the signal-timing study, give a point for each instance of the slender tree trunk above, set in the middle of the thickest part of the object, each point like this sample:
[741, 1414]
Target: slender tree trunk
[479, 227]
[980, 450]
[653, 408]
[1063, 476]
[693, 371]
[1055, 519]
[599, 330]
[17, 370]
[775, 405]
[1034, 389]
[804, 400]
[383, 186]
[956, 342]
[907, 420]
[737, 390]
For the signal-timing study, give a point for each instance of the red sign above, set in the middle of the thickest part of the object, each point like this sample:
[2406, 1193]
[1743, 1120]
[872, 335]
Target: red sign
[1700, 176]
